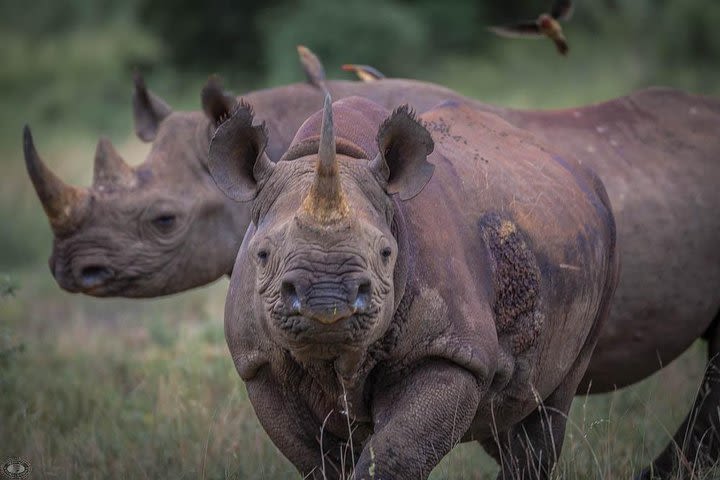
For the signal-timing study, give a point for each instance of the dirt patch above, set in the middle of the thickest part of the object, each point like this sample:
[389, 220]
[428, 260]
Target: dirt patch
[517, 284]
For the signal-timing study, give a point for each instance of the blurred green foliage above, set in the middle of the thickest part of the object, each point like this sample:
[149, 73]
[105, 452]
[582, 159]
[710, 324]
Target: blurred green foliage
[8, 286]
[61, 57]
[71, 61]
[390, 35]
[204, 34]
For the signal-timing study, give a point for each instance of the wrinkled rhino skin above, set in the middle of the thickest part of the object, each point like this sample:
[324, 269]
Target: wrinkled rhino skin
[480, 324]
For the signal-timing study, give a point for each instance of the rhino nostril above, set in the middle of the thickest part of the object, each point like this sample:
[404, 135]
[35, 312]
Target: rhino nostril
[362, 300]
[289, 296]
[94, 276]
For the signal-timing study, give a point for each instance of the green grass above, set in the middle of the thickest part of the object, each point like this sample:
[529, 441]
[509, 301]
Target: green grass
[146, 389]
[98, 391]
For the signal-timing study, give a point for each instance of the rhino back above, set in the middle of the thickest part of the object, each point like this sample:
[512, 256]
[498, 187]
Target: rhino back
[284, 109]
[658, 154]
[505, 220]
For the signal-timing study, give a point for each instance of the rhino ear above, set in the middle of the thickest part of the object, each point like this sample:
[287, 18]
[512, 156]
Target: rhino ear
[217, 104]
[148, 110]
[404, 145]
[238, 162]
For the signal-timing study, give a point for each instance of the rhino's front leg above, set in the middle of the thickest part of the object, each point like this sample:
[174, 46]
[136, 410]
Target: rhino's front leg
[417, 420]
[293, 429]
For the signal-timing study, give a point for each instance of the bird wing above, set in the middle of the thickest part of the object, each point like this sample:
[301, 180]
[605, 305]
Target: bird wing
[365, 72]
[528, 29]
[373, 71]
[562, 9]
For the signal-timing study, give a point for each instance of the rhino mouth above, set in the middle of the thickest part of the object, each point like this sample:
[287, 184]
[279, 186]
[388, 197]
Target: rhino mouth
[303, 333]
[95, 278]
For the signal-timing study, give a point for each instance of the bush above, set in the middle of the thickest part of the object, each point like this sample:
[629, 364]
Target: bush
[205, 35]
[66, 61]
[389, 36]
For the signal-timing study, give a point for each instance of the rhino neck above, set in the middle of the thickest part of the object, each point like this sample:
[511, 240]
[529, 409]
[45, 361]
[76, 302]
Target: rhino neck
[405, 262]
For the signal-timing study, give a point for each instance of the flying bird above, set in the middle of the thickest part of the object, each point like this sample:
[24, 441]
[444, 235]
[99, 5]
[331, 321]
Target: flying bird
[366, 73]
[314, 70]
[547, 24]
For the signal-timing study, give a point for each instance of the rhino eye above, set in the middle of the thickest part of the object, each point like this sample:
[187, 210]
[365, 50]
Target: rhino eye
[262, 256]
[164, 223]
[385, 253]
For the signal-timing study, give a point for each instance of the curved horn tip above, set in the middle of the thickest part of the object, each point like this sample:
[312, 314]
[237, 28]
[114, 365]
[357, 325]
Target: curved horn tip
[104, 142]
[327, 121]
[33, 163]
[28, 144]
[138, 79]
[326, 151]
[62, 203]
[105, 148]
[32, 158]
[110, 168]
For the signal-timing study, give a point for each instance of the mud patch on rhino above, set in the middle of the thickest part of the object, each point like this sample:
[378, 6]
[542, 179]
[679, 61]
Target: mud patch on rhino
[517, 277]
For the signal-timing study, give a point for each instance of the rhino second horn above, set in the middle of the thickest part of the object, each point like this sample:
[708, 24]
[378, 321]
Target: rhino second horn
[111, 171]
[63, 204]
[148, 110]
[325, 201]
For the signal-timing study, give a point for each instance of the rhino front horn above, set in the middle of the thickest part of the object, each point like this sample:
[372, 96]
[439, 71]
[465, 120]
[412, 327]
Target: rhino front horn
[63, 204]
[110, 169]
[325, 201]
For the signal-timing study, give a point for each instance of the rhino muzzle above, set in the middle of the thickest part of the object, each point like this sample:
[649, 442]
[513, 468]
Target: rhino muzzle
[94, 276]
[327, 301]
[91, 277]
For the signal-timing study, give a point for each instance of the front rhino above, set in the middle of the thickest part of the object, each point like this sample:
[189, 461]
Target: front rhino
[323, 259]
[399, 328]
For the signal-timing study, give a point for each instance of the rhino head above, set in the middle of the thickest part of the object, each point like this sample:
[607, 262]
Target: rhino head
[324, 262]
[137, 230]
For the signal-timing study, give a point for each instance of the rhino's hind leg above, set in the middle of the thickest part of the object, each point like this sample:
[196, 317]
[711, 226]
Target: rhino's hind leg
[530, 449]
[696, 443]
